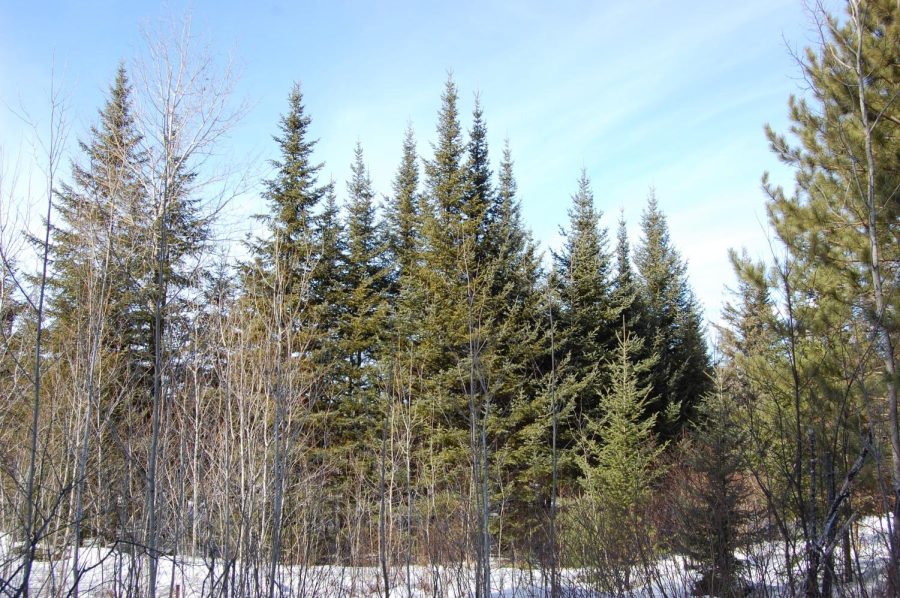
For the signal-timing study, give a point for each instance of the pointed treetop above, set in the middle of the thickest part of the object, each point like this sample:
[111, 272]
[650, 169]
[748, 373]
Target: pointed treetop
[445, 175]
[402, 211]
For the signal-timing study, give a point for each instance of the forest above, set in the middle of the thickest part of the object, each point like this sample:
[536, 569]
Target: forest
[404, 395]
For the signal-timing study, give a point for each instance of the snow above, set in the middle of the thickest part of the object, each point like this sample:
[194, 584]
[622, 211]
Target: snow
[106, 571]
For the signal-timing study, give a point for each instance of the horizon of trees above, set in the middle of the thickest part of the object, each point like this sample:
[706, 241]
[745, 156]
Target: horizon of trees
[410, 385]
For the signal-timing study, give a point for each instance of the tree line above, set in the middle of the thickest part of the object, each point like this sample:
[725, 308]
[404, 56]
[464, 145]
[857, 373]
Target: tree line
[406, 384]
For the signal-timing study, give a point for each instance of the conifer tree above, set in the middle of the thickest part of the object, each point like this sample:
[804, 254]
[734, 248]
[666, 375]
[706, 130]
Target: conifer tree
[104, 226]
[288, 287]
[619, 464]
[328, 301]
[479, 205]
[518, 400]
[588, 318]
[362, 325]
[448, 244]
[101, 298]
[713, 508]
[626, 297]
[402, 212]
[457, 347]
[681, 374]
[293, 195]
[841, 222]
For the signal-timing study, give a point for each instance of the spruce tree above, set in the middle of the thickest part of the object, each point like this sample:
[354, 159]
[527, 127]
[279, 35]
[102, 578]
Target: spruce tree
[713, 505]
[479, 206]
[364, 320]
[105, 231]
[293, 194]
[101, 297]
[588, 317]
[680, 375]
[519, 402]
[626, 297]
[402, 213]
[619, 465]
[448, 249]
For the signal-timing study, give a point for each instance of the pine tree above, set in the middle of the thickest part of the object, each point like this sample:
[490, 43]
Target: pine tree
[839, 228]
[681, 373]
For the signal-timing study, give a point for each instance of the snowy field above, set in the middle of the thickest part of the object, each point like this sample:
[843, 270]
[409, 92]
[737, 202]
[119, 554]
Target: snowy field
[107, 572]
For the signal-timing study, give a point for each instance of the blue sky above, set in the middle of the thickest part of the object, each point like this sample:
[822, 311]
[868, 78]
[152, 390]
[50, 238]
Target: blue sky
[641, 94]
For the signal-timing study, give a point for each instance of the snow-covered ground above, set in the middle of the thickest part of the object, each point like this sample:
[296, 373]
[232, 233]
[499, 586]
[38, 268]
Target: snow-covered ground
[108, 572]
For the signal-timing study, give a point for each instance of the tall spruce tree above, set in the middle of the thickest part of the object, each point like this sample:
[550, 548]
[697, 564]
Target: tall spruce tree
[364, 320]
[402, 213]
[521, 403]
[626, 297]
[448, 244]
[681, 373]
[293, 194]
[587, 319]
[479, 207]
[104, 231]
[102, 294]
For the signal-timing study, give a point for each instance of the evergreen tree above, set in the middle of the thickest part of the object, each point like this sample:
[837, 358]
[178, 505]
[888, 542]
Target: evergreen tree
[681, 373]
[479, 205]
[520, 403]
[832, 286]
[362, 326]
[293, 195]
[619, 453]
[712, 507]
[105, 231]
[402, 213]
[619, 465]
[626, 297]
[588, 317]
[447, 259]
[328, 297]
[101, 298]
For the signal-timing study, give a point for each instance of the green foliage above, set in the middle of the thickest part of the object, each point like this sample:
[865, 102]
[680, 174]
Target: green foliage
[587, 318]
[104, 242]
[290, 251]
[402, 214]
[712, 505]
[364, 310]
[681, 374]
[607, 533]
[618, 454]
